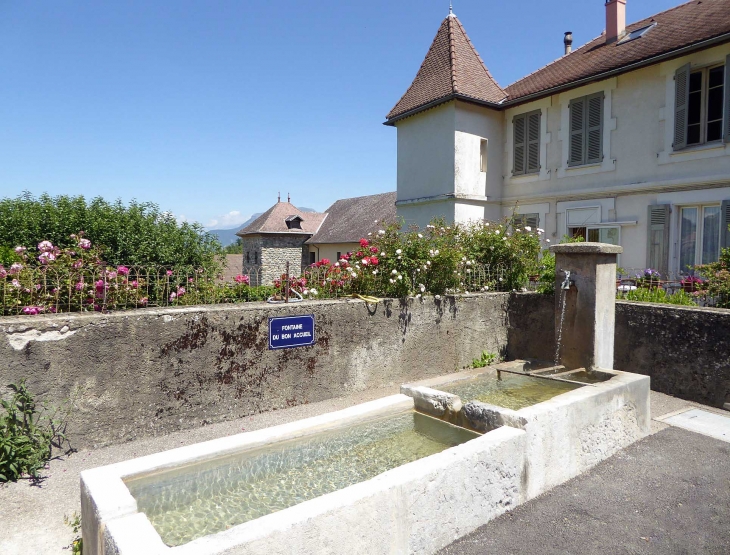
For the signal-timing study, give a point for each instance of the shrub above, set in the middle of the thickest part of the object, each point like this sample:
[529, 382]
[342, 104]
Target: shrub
[26, 435]
[134, 234]
[658, 295]
[485, 360]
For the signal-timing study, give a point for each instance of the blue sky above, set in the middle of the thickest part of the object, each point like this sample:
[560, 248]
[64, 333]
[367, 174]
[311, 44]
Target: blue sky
[210, 107]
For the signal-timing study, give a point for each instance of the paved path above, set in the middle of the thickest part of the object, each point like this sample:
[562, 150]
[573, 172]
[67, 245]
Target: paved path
[667, 494]
[31, 517]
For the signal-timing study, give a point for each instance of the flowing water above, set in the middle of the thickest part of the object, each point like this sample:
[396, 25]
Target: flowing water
[510, 391]
[563, 295]
[207, 498]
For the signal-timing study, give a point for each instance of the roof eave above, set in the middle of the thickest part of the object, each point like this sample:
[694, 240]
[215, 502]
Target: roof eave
[244, 234]
[720, 39]
[439, 101]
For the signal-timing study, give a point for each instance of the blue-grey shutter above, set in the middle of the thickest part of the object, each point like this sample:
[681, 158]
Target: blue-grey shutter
[594, 128]
[576, 108]
[657, 255]
[726, 122]
[520, 145]
[681, 100]
[533, 143]
[725, 225]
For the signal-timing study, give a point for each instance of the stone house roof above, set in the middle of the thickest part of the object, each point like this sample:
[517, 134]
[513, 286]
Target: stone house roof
[351, 219]
[275, 219]
[452, 68]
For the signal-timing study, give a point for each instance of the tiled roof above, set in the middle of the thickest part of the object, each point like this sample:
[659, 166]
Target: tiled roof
[683, 26]
[274, 221]
[452, 67]
[351, 219]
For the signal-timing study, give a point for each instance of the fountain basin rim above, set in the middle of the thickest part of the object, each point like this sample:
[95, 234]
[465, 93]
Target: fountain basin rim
[586, 248]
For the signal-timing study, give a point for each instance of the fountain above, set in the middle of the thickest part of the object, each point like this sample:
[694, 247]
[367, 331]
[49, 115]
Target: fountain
[404, 474]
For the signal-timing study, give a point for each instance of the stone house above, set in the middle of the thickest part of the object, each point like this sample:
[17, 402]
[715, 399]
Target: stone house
[625, 140]
[286, 234]
[276, 237]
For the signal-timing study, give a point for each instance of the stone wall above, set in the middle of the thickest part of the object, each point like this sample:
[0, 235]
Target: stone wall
[148, 372]
[686, 351]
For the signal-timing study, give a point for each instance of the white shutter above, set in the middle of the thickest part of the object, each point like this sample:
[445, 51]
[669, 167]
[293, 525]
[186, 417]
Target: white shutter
[726, 108]
[520, 144]
[681, 101]
[657, 255]
[594, 129]
[577, 132]
[533, 143]
[724, 224]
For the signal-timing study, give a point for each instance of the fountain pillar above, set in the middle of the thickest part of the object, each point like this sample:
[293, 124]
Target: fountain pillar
[588, 298]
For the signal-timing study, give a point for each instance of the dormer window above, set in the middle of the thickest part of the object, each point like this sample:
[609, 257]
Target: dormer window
[294, 222]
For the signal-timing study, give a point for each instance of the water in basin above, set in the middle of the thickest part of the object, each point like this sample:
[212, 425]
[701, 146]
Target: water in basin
[585, 376]
[510, 391]
[207, 498]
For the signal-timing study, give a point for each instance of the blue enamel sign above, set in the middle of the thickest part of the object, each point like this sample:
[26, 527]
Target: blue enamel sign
[291, 331]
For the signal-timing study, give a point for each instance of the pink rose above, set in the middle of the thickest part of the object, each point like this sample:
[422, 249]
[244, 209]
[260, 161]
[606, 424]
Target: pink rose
[20, 250]
[15, 268]
[3, 272]
[45, 246]
[173, 296]
[134, 284]
[79, 286]
[169, 272]
[143, 301]
[111, 275]
[242, 279]
[122, 270]
[85, 244]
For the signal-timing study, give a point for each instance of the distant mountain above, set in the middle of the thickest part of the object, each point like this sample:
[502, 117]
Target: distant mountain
[228, 236]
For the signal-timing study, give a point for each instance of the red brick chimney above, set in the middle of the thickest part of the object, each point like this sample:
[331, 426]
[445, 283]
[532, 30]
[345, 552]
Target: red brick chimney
[615, 20]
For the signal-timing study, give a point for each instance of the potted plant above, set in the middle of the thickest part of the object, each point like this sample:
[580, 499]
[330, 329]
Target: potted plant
[691, 284]
[649, 279]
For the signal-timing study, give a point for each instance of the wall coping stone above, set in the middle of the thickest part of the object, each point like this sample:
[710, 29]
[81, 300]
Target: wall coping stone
[586, 248]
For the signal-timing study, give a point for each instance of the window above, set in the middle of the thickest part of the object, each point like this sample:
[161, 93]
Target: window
[339, 256]
[610, 235]
[312, 258]
[256, 257]
[699, 236]
[530, 220]
[633, 35]
[526, 151]
[701, 106]
[483, 155]
[248, 258]
[586, 130]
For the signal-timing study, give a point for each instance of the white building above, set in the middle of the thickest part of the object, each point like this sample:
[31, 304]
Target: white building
[625, 140]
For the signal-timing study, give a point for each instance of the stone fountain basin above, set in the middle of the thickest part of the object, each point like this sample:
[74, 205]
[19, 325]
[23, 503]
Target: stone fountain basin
[566, 435]
[418, 507]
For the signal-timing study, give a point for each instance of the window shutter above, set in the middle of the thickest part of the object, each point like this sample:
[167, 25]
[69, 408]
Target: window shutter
[533, 143]
[577, 132]
[533, 220]
[724, 223]
[681, 98]
[520, 145]
[726, 122]
[594, 129]
[657, 255]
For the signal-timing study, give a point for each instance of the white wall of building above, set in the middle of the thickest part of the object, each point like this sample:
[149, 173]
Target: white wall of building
[440, 153]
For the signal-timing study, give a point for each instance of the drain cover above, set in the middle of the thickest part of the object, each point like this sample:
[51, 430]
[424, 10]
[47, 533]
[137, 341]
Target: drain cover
[702, 422]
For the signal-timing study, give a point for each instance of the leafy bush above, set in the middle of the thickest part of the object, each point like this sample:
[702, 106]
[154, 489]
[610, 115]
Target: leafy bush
[134, 234]
[658, 295]
[717, 280]
[485, 360]
[439, 259]
[26, 436]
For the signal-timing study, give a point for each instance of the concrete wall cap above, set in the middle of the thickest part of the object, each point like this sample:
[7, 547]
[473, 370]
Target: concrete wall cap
[586, 248]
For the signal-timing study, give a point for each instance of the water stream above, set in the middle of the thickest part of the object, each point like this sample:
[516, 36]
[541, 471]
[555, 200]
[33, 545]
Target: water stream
[563, 297]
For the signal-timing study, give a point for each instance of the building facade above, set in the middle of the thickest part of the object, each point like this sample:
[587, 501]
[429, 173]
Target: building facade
[625, 140]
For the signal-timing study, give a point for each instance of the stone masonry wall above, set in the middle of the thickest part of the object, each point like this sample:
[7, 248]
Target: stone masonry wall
[148, 372]
[268, 255]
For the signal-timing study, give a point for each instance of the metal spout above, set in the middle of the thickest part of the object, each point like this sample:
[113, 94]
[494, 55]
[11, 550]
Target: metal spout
[567, 282]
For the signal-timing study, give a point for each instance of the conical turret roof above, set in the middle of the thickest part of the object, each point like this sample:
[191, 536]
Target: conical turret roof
[452, 69]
